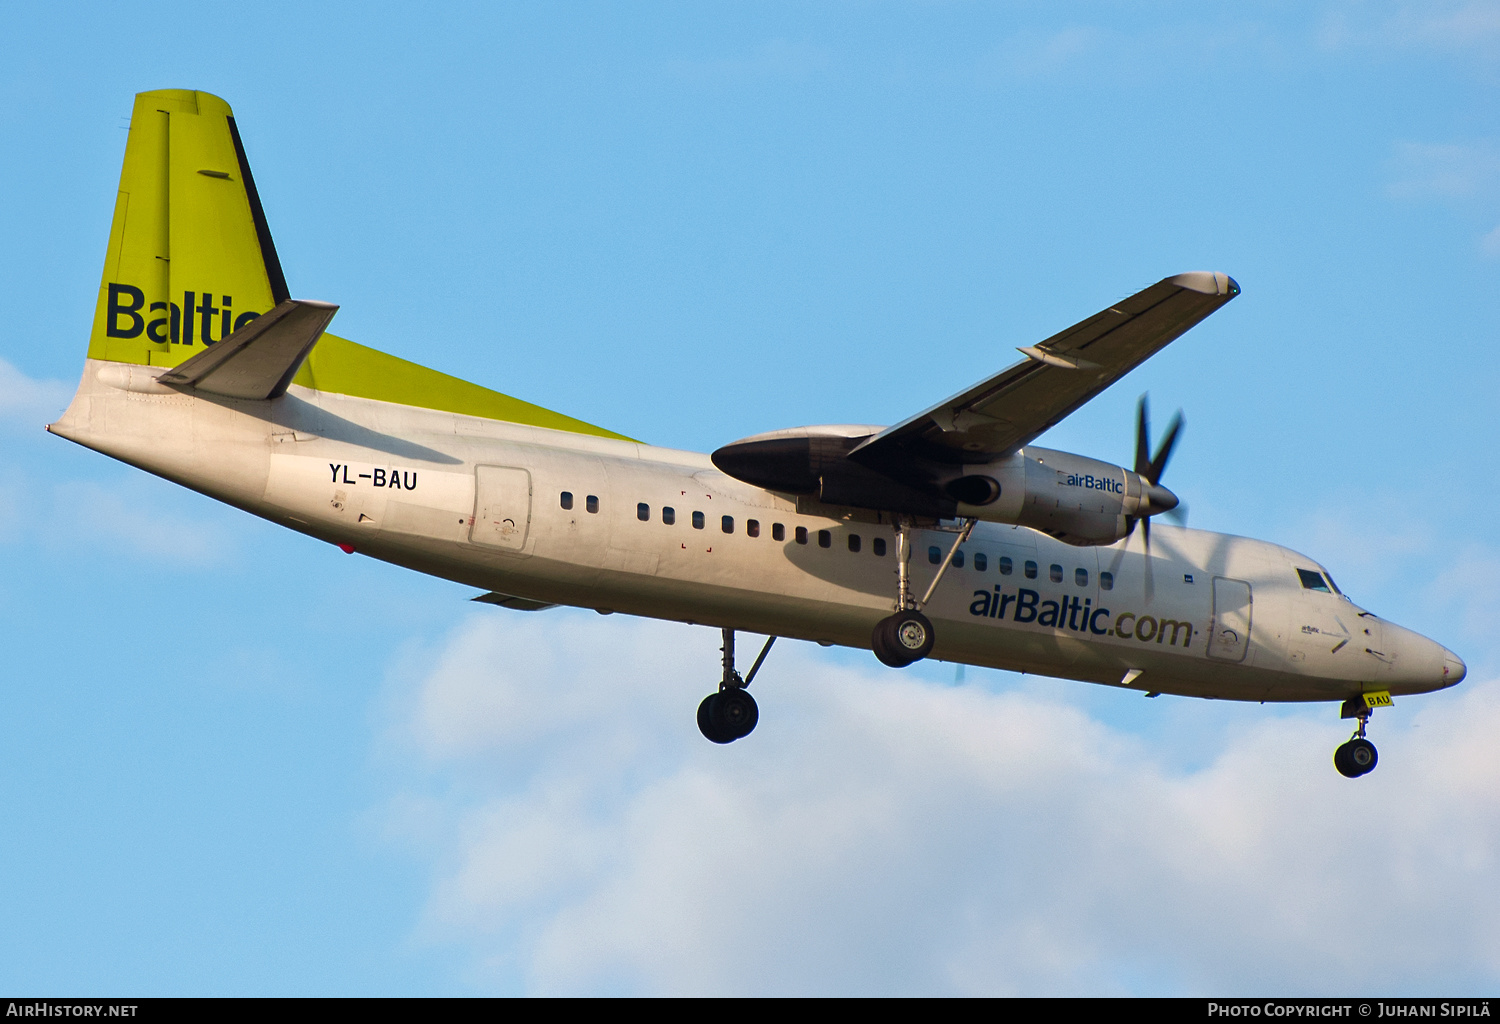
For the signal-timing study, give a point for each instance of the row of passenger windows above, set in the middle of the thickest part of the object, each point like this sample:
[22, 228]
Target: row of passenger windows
[726, 523]
[801, 535]
[1029, 569]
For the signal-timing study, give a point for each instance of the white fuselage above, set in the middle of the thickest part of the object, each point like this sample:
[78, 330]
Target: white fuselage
[481, 502]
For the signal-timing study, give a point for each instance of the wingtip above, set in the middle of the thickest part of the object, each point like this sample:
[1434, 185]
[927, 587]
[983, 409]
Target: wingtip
[1207, 282]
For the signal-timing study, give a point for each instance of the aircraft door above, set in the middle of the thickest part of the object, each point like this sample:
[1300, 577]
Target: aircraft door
[502, 507]
[1229, 635]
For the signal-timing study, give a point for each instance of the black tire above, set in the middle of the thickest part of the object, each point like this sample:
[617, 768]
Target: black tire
[734, 713]
[1362, 756]
[1342, 762]
[707, 721]
[908, 636]
[881, 642]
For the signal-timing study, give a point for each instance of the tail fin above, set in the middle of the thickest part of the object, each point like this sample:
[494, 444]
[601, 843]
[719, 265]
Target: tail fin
[190, 257]
[191, 261]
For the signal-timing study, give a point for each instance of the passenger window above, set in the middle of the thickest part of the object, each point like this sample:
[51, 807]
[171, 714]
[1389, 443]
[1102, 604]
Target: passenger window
[1054, 573]
[697, 520]
[801, 535]
[727, 524]
[1006, 565]
[981, 563]
[778, 532]
[878, 546]
[567, 499]
[854, 542]
[825, 539]
[1106, 581]
[934, 555]
[1030, 570]
[752, 527]
[668, 515]
[643, 512]
[1313, 580]
[591, 503]
[958, 560]
[1081, 577]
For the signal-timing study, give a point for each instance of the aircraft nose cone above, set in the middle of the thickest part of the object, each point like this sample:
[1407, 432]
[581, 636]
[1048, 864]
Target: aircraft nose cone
[1454, 668]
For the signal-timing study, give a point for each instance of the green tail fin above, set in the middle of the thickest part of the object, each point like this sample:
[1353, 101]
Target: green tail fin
[191, 260]
[190, 256]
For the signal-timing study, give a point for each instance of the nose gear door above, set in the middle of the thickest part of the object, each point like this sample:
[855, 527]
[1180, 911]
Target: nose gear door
[1229, 635]
[502, 507]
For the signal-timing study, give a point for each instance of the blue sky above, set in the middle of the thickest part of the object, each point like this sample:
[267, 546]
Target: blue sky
[238, 761]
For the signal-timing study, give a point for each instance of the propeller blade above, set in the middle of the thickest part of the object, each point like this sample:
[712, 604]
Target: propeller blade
[1142, 438]
[1150, 467]
[1150, 575]
[1178, 515]
[1164, 452]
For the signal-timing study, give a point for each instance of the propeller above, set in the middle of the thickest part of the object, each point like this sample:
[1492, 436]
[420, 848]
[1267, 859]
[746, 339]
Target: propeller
[1150, 467]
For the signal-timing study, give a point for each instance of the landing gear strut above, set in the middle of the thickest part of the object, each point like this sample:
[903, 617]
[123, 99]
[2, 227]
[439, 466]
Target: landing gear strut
[731, 713]
[1357, 756]
[908, 636]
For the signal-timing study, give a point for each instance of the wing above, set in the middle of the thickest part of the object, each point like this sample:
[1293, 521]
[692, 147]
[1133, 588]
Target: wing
[1004, 412]
[260, 359]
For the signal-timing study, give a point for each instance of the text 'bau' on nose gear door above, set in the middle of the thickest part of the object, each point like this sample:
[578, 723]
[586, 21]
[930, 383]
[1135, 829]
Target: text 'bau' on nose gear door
[502, 507]
[1229, 637]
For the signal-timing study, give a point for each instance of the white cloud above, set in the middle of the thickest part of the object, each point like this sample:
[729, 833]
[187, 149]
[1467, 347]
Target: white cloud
[1490, 243]
[1469, 27]
[879, 834]
[23, 398]
[1422, 170]
[1462, 175]
[126, 514]
[1103, 54]
[1031, 53]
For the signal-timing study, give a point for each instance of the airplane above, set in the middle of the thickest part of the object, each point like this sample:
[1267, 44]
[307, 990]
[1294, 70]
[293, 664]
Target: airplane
[949, 535]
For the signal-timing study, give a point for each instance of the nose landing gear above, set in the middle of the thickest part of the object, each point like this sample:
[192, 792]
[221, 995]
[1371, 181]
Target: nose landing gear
[731, 713]
[908, 636]
[1357, 756]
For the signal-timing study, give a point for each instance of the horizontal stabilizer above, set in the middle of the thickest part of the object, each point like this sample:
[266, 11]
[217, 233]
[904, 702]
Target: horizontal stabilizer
[259, 360]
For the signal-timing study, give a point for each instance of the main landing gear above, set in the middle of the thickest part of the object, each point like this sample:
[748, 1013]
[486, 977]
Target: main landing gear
[1358, 756]
[731, 713]
[907, 636]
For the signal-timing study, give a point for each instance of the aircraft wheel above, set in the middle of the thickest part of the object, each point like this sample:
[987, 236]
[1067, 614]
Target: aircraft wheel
[1355, 758]
[880, 643]
[1340, 759]
[903, 638]
[735, 713]
[1362, 755]
[707, 723]
[727, 716]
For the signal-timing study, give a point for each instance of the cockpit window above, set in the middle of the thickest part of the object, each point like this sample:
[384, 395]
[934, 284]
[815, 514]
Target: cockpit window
[1313, 580]
[1332, 584]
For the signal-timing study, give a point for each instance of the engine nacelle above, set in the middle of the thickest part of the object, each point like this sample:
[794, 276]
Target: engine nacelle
[1076, 499]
